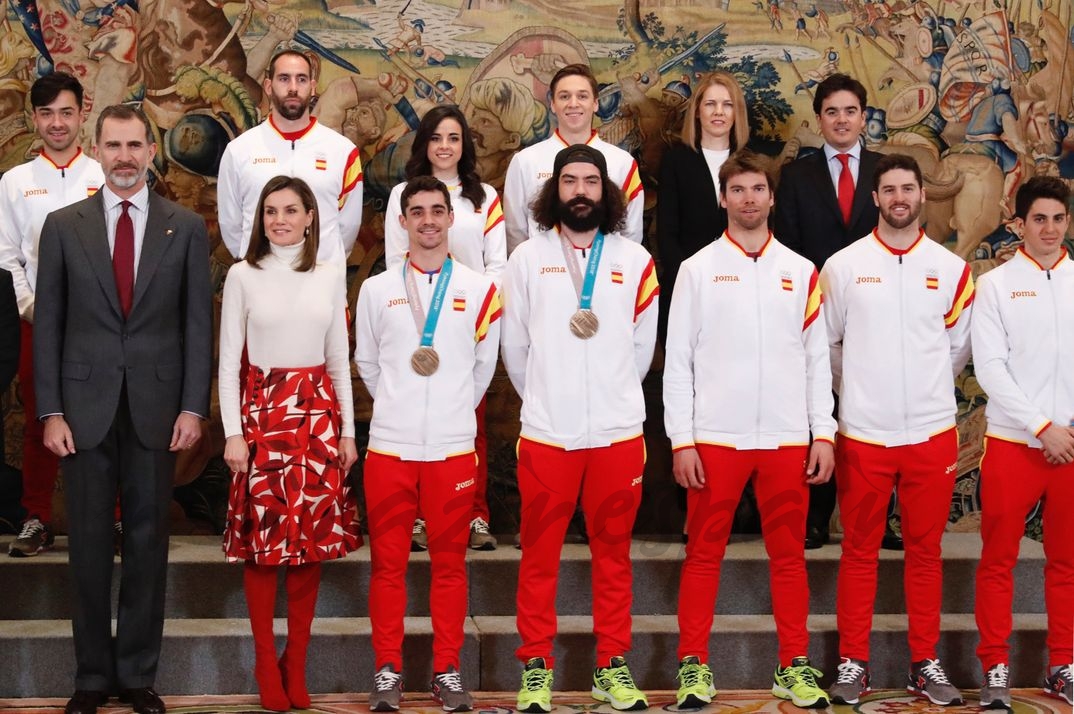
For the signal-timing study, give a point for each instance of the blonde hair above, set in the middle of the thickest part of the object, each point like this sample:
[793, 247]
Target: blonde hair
[514, 105]
[691, 127]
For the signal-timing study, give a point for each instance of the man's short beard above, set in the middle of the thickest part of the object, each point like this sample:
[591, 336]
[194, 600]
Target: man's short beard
[288, 113]
[581, 223]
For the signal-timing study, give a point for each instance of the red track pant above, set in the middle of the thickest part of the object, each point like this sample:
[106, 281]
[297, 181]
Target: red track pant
[783, 499]
[39, 465]
[1013, 478]
[923, 476]
[481, 481]
[550, 480]
[393, 491]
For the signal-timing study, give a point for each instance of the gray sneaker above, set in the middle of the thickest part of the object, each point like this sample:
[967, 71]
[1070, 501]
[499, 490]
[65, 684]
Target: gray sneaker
[927, 679]
[387, 690]
[447, 689]
[1058, 683]
[851, 681]
[419, 539]
[480, 538]
[996, 692]
[35, 537]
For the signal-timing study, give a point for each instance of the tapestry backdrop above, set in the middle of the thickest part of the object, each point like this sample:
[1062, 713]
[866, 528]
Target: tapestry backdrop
[979, 91]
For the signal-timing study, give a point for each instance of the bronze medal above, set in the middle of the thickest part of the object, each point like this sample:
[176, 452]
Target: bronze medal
[425, 361]
[584, 324]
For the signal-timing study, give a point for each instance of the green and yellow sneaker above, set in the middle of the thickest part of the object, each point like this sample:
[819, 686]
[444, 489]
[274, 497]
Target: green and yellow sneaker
[535, 696]
[695, 684]
[798, 683]
[615, 685]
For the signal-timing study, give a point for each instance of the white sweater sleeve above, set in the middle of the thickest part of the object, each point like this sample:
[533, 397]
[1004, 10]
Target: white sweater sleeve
[683, 330]
[645, 320]
[396, 241]
[990, 352]
[350, 205]
[633, 228]
[12, 258]
[959, 332]
[336, 357]
[232, 342]
[366, 348]
[514, 335]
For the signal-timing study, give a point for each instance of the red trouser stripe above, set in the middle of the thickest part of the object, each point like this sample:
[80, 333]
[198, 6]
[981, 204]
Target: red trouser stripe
[550, 480]
[393, 490]
[923, 476]
[783, 498]
[1013, 478]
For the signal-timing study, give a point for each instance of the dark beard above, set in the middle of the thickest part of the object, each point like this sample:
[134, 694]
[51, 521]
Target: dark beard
[288, 113]
[586, 221]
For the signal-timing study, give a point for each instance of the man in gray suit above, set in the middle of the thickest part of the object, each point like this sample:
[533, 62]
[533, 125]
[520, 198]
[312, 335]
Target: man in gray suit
[122, 362]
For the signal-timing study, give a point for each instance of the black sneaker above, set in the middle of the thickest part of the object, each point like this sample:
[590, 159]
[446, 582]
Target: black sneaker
[1058, 683]
[34, 538]
[996, 692]
[851, 681]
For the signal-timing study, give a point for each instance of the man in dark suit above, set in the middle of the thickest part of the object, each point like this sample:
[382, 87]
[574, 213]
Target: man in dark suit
[122, 362]
[825, 203]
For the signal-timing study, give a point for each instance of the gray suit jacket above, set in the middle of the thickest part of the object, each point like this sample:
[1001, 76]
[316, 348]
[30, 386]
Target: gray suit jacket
[84, 350]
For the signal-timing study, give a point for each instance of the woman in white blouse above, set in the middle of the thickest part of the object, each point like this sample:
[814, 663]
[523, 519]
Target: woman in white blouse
[287, 409]
[444, 148]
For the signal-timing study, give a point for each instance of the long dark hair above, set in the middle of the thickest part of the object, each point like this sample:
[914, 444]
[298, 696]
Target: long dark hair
[419, 164]
[545, 205]
[259, 243]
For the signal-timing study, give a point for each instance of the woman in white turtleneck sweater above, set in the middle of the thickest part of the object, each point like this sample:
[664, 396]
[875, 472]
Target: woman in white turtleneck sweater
[289, 421]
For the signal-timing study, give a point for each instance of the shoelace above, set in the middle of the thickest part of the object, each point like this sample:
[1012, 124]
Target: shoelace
[451, 681]
[806, 674]
[934, 672]
[534, 679]
[386, 679]
[31, 528]
[621, 676]
[998, 676]
[1065, 673]
[478, 525]
[419, 527]
[849, 672]
[690, 675]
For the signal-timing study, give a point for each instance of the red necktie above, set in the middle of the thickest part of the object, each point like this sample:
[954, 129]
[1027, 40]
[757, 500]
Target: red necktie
[123, 259]
[846, 187]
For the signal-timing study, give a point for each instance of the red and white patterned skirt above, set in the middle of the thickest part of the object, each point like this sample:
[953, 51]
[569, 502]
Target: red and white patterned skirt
[294, 505]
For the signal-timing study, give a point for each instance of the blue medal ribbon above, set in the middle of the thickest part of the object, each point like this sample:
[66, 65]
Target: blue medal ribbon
[435, 305]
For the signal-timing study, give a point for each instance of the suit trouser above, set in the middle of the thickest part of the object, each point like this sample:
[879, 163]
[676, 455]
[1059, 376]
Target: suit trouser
[39, 465]
[393, 491]
[924, 477]
[1013, 478]
[143, 478]
[779, 481]
[549, 482]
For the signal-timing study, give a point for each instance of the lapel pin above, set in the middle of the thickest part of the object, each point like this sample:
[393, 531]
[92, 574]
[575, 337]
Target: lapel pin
[169, 231]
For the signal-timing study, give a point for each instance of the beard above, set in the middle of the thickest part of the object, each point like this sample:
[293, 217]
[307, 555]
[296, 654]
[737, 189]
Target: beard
[290, 113]
[125, 181]
[899, 223]
[581, 214]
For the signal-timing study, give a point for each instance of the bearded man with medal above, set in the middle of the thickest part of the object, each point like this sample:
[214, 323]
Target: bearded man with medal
[580, 314]
[426, 336]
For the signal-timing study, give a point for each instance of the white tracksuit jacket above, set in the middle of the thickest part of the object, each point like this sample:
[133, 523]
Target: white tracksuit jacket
[746, 362]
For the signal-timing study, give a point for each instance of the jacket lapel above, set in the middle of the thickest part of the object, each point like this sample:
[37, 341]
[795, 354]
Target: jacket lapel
[822, 177]
[863, 191]
[93, 234]
[158, 235]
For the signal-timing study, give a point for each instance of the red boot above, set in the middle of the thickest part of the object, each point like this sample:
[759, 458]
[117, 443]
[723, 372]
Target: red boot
[302, 582]
[259, 581]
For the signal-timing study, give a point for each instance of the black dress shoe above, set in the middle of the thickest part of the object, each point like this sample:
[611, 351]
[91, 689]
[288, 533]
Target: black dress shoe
[85, 701]
[890, 541]
[815, 537]
[143, 700]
